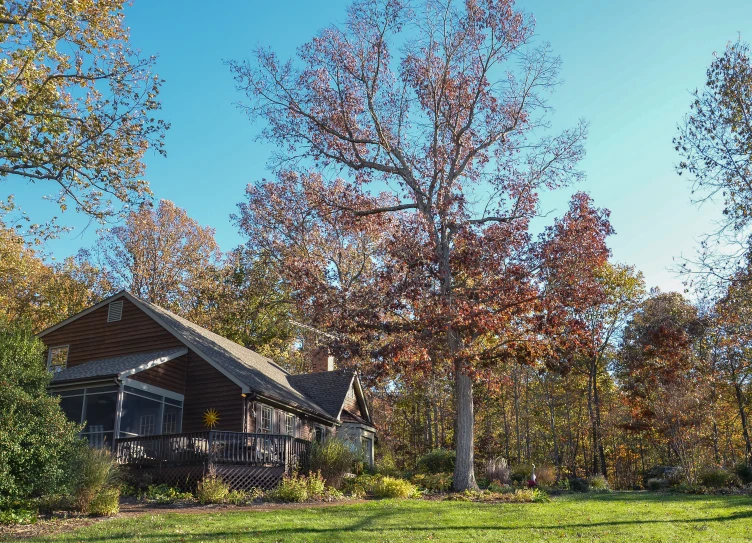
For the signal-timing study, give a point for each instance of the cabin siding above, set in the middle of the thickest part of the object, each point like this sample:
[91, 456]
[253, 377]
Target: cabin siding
[207, 388]
[91, 337]
[352, 405]
[171, 375]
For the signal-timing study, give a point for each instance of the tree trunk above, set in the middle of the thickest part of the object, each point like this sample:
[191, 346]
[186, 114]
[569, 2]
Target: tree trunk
[464, 469]
[598, 427]
[743, 420]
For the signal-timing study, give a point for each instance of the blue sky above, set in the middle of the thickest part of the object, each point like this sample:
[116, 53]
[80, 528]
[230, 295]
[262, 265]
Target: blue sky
[628, 68]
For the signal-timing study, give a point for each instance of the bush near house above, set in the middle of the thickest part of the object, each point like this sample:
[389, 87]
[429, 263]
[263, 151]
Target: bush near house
[94, 473]
[36, 440]
[332, 458]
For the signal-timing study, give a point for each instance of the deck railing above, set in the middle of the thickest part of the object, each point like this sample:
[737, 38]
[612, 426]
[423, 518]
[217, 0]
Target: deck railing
[213, 447]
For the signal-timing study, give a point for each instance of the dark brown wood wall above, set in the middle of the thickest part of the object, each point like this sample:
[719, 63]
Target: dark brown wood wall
[170, 375]
[91, 337]
[207, 388]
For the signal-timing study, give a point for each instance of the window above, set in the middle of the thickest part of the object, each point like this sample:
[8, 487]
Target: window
[266, 419]
[146, 425]
[115, 311]
[57, 359]
[319, 433]
[170, 422]
[289, 424]
[368, 446]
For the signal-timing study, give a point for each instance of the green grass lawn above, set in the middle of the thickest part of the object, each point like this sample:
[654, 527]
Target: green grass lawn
[635, 517]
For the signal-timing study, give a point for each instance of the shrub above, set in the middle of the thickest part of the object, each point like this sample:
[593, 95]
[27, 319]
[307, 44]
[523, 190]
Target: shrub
[498, 486]
[437, 461]
[528, 495]
[291, 489]
[315, 486]
[212, 489]
[714, 477]
[356, 486]
[95, 470]
[18, 516]
[497, 469]
[744, 472]
[598, 482]
[385, 464]
[545, 475]
[165, 494]
[240, 497]
[657, 484]
[391, 487]
[333, 459]
[106, 502]
[438, 482]
[673, 475]
[579, 484]
[36, 439]
[521, 473]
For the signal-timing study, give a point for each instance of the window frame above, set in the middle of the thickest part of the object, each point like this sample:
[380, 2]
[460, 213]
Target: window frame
[50, 367]
[290, 424]
[270, 410]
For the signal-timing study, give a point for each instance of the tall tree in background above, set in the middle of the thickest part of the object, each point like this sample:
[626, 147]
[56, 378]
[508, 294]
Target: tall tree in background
[715, 143]
[732, 331]
[621, 290]
[448, 124]
[40, 294]
[162, 256]
[77, 103]
[662, 376]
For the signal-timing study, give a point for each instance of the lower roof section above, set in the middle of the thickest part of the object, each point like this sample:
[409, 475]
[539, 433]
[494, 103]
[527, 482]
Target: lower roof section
[118, 366]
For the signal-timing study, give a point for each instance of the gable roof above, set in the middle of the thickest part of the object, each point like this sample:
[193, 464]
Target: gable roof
[327, 388]
[251, 371]
[116, 366]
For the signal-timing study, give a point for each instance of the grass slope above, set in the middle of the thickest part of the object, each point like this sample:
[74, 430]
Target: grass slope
[632, 517]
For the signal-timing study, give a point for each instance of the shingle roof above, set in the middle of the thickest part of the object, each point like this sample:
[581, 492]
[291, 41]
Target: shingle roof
[320, 394]
[352, 417]
[110, 367]
[260, 374]
[327, 388]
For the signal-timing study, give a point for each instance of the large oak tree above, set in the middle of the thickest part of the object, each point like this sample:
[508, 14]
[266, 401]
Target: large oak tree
[451, 132]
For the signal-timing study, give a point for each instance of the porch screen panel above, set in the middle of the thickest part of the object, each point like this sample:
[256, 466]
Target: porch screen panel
[99, 413]
[73, 407]
[140, 416]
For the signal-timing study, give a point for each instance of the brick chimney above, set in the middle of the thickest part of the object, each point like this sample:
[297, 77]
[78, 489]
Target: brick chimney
[322, 360]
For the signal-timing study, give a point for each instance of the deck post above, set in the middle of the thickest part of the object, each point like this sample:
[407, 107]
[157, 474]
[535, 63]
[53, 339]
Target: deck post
[210, 451]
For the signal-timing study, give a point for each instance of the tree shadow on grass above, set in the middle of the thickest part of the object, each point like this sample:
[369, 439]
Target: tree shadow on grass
[373, 524]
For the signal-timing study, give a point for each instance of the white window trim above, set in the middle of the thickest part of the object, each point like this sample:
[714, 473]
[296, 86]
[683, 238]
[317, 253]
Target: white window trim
[49, 356]
[271, 419]
[290, 418]
[153, 389]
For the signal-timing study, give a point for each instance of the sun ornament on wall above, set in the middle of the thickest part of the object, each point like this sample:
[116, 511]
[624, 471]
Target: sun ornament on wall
[211, 418]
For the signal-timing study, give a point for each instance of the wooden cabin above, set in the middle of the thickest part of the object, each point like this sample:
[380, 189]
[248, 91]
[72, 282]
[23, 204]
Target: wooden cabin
[170, 396]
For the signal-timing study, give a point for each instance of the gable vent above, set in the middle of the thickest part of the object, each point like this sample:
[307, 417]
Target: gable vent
[115, 311]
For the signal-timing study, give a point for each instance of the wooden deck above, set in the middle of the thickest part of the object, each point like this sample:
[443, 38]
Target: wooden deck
[245, 460]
